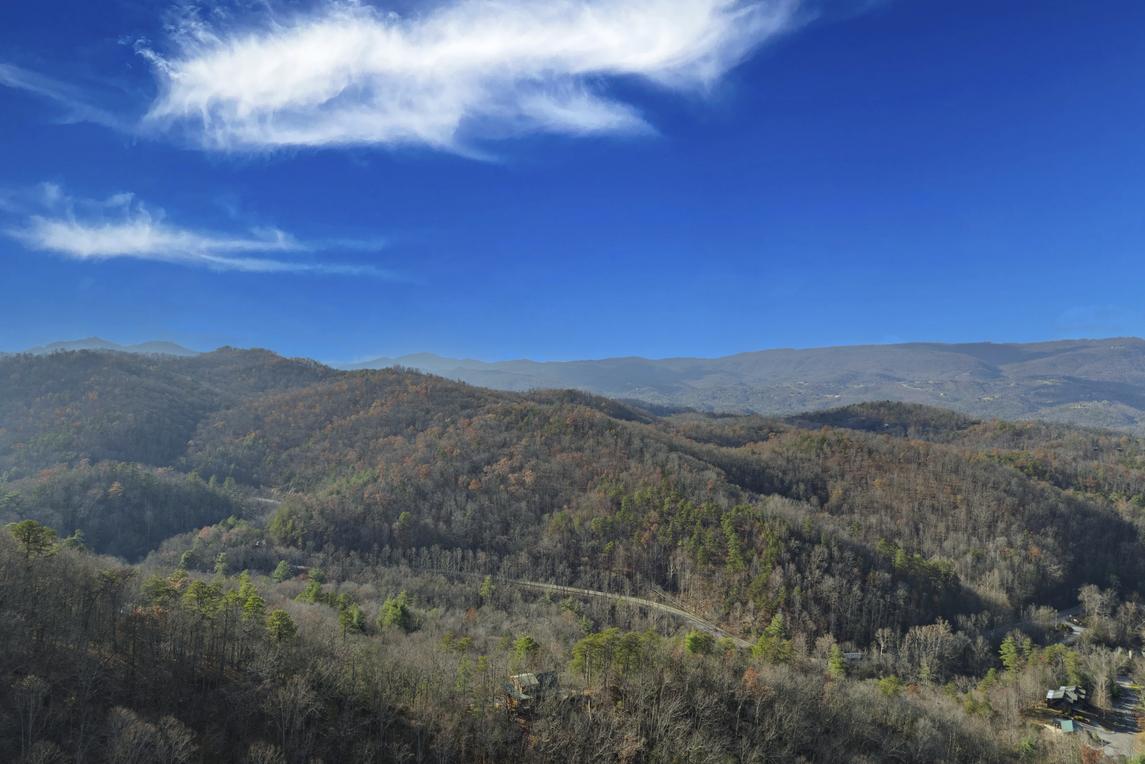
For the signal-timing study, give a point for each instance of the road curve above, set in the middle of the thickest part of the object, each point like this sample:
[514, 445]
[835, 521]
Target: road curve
[684, 615]
[689, 618]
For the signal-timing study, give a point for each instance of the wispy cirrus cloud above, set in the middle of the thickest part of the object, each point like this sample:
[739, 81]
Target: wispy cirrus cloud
[121, 226]
[74, 101]
[461, 71]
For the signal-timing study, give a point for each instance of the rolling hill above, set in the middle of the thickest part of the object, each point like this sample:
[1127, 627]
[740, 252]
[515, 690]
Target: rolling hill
[584, 489]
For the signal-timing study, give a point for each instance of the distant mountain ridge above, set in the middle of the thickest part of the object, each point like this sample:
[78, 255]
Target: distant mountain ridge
[98, 343]
[1097, 383]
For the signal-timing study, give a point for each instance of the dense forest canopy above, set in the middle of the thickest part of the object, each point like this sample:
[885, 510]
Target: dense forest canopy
[384, 517]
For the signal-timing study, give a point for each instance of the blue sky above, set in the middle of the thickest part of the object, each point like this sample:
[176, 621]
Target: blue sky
[570, 179]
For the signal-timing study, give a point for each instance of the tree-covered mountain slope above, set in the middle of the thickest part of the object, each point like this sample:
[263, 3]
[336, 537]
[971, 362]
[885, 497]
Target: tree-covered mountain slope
[726, 512]
[67, 406]
[384, 516]
[845, 520]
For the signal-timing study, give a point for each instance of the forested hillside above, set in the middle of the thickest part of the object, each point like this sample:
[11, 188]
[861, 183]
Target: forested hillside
[394, 462]
[913, 537]
[62, 407]
[120, 509]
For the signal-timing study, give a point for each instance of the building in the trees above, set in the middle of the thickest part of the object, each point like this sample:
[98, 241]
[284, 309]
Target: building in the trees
[525, 689]
[1066, 698]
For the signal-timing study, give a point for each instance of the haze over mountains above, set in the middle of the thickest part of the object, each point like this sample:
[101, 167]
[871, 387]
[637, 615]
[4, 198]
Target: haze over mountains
[98, 343]
[1099, 383]
[1087, 382]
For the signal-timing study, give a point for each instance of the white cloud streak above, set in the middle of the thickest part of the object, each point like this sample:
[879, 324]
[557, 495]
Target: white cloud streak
[460, 72]
[122, 227]
[75, 104]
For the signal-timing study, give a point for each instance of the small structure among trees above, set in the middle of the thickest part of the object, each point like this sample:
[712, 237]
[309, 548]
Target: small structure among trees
[1066, 699]
[525, 689]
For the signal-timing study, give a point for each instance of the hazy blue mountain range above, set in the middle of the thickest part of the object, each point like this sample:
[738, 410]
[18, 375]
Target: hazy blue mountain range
[1087, 382]
[1098, 383]
[98, 343]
